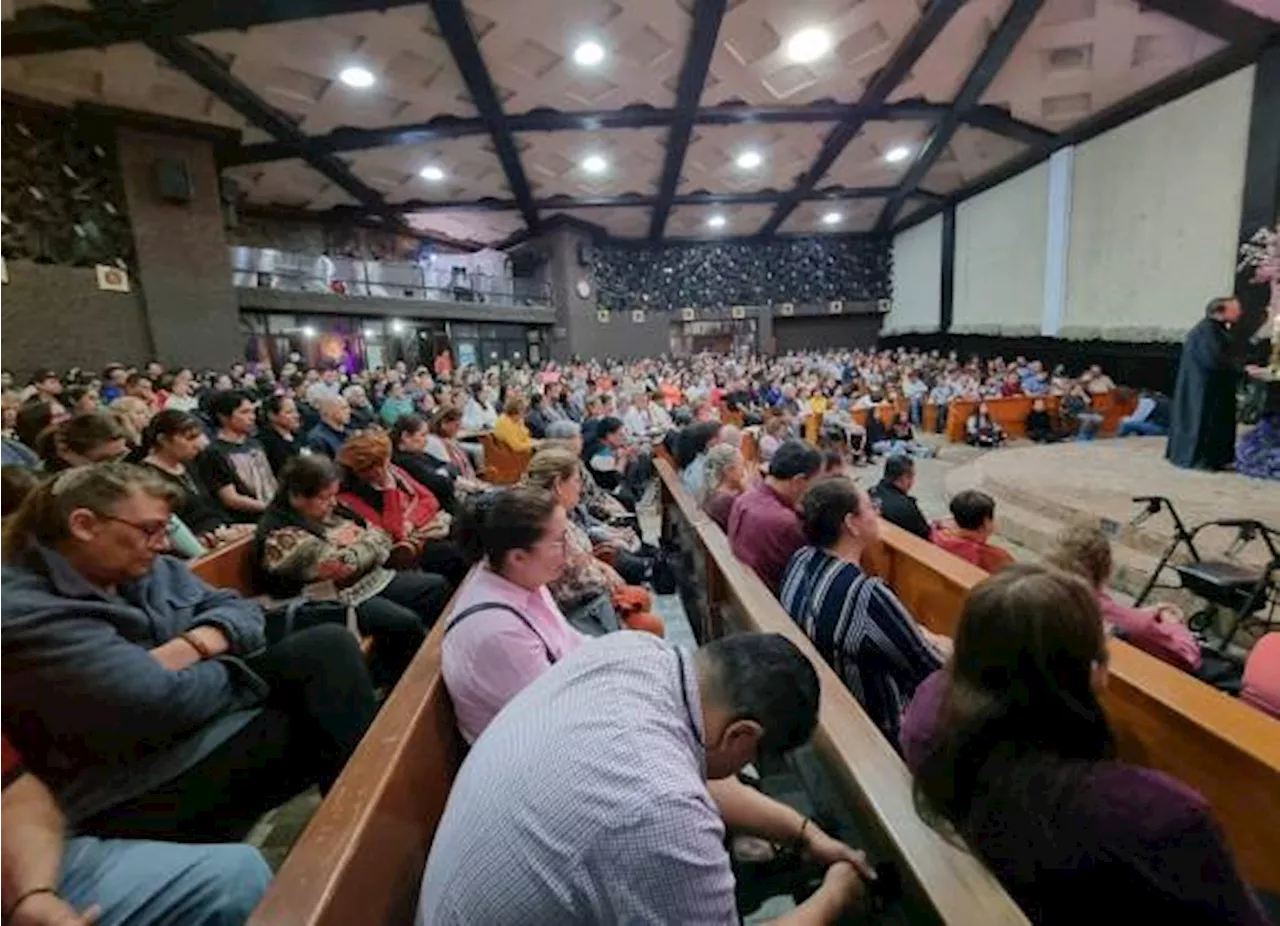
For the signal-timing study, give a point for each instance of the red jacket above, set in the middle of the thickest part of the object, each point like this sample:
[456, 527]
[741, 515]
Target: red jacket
[970, 549]
[406, 508]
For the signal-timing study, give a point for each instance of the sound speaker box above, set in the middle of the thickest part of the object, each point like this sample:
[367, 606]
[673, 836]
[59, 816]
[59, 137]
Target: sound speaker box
[172, 180]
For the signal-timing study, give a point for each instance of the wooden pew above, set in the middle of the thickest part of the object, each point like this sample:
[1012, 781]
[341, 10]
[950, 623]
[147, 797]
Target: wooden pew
[228, 567]
[1164, 718]
[942, 882]
[360, 859]
[502, 465]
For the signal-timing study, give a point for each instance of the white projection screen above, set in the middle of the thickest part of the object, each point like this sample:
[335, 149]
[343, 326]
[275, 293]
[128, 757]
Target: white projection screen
[917, 280]
[1155, 214]
[1000, 257]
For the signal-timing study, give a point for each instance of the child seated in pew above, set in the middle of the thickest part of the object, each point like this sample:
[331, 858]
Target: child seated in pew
[1084, 550]
[1012, 750]
[969, 532]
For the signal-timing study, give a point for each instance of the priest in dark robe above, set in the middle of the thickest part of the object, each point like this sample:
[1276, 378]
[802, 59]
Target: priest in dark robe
[1202, 427]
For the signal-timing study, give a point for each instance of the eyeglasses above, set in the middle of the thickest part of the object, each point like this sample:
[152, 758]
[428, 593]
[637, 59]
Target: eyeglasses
[152, 533]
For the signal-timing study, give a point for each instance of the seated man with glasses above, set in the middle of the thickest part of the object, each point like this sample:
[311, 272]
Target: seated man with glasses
[150, 703]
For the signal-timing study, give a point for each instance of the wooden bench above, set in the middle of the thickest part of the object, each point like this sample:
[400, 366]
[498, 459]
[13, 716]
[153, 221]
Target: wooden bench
[502, 465]
[942, 882]
[1011, 413]
[1163, 718]
[228, 567]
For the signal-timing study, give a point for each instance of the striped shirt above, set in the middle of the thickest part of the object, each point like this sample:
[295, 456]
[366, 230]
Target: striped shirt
[585, 801]
[862, 630]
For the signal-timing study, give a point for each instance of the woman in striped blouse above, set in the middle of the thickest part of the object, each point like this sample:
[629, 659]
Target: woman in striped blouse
[857, 624]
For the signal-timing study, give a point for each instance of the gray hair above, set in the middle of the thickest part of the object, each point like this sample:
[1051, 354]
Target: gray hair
[563, 430]
[719, 459]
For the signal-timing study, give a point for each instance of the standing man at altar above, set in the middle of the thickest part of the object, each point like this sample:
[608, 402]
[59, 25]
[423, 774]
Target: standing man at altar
[1202, 429]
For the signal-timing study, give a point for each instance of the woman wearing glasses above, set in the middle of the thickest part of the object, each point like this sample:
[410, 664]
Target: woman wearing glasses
[149, 702]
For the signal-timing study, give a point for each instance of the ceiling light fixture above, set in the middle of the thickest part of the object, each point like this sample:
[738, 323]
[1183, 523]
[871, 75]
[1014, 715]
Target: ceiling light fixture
[808, 45]
[749, 160]
[897, 153]
[716, 221]
[832, 218]
[397, 326]
[594, 164]
[588, 54]
[432, 173]
[308, 331]
[357, 77]
[371, 332]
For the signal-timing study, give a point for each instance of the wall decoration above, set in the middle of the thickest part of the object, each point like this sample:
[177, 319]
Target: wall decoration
[637, 316]
[727, 273]
[60, 182]
[787, 309]
[835, 307]
[602, 316]
[688, 314]
[112, 278]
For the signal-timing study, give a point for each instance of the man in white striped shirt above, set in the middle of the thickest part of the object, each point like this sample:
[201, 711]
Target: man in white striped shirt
[586, 800]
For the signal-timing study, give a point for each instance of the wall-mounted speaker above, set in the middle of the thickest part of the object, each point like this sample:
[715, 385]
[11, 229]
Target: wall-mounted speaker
[172, 179]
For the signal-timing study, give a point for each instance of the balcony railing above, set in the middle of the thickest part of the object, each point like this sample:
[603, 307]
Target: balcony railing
[265, 268]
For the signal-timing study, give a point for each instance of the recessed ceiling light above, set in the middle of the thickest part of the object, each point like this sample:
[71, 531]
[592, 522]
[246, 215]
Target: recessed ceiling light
[897, 153]
[588, 54]
[716, 221]
[831, 218]
[432, 173]
[594, 164]
[357, 77]
[308, 331]
[749, 160]
[808, 45]
[397, 326]
[371, 332]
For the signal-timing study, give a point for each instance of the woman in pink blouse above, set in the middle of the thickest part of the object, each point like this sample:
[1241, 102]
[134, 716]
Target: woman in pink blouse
[504, 629]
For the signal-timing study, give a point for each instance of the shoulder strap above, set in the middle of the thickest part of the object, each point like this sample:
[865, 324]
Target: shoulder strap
[501, 606]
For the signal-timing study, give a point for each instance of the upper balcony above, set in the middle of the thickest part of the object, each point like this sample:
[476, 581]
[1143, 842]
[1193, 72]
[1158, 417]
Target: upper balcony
[267, 279]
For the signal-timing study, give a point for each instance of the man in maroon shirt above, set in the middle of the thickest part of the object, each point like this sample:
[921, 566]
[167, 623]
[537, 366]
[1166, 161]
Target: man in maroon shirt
[764, 529]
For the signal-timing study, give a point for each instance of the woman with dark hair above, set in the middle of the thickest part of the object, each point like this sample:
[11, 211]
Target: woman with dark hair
[1012, 749]
[82, 400]
[385, 496]
[409, 452]
[281, 422]
[82, 439]
[981, 430]
[35, 417]
[173, 440]
[505, 629]
[303, 545]
[443, 445]
[692, 445]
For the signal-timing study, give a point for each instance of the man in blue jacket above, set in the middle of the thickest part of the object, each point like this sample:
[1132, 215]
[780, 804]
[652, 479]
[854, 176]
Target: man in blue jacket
[149, 702]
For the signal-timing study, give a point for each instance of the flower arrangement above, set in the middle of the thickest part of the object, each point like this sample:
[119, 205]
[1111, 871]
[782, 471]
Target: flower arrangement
[1262, 253]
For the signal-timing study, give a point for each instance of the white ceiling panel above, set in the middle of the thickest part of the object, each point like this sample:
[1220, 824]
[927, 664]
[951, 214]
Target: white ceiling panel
[471, 170]
[972, 153]
[287, 183]
[480, 227]
[691, 221]
[863, 164]
[553, 161]
[855, 215]
[786, 152]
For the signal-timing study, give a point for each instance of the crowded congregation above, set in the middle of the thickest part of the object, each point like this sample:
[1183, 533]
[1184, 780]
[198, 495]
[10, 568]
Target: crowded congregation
[548, 463]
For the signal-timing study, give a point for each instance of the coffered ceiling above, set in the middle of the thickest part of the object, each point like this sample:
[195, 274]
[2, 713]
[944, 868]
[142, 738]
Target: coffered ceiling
[638, 118]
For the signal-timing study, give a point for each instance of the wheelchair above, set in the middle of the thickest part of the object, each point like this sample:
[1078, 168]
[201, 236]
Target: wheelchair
[1248, 593]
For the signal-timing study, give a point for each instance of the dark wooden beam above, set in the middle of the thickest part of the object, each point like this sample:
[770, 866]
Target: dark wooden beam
[456, 32]
[443, 128]
[1215, 67]
[1220, 18]
[947, 282]
[637, 201]
[49, 28]
[707, 16]
[997, 51]
[886, 80]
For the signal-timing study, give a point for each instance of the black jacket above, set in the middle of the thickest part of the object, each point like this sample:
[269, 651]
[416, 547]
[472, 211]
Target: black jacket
[897, 507]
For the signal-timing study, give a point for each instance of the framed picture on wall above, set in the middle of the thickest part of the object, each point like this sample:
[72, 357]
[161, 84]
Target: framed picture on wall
[688, 314]
[738, 312]
[637, 316]
[112, 278]
[602, 316]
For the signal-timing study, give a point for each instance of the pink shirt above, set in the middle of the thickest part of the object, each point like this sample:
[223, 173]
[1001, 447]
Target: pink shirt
[1162, 637]
[490, 656]
[1262, 675]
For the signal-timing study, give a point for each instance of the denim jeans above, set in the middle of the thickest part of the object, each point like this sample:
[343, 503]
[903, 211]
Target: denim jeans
[1142, 429]
[150, 883]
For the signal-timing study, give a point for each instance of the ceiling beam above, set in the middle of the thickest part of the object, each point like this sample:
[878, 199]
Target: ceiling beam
[885, 81]
[1219, 18]
[456, 32]
[44, 29]
[707, 16]
[999, 121]
[997, 51]
[444, 128]
[1215, 67]
[632, 200]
